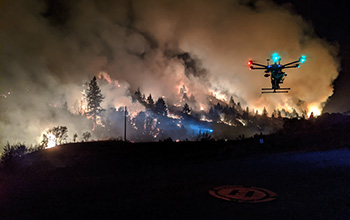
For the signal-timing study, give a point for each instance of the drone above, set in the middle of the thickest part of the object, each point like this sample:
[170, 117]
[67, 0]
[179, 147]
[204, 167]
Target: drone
[275, 71]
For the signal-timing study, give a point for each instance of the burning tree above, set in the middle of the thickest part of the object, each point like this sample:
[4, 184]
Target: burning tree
[94, 98]
[54, 136]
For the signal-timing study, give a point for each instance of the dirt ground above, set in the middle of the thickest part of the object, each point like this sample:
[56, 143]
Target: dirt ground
[70, 184]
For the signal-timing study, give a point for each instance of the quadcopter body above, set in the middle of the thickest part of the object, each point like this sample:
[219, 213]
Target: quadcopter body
[275, 72]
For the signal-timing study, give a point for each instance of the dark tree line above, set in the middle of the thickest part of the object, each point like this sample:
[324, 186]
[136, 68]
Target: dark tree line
[158, 107]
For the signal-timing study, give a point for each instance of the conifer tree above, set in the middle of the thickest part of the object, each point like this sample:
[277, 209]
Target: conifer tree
[150, 102]
[94, 98]
[186, 109]
[232, 102]
[239, 108]
[138, 96]
[185, 97]
[160, 107]
[264, 113]
[295, 114]
[246, 113]
[274, 114]
[256, 112]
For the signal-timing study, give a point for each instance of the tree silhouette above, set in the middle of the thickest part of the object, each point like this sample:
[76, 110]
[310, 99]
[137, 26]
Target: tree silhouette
[239, 108]
[295, 114]
[11, 151]
[160, 107]
[75, 136]
[246, 113]
[311, 115]
[94, 98]
[45, 141]
[232, 102]
[264, 113]
[192, 99]
[186, 109]
[137, 95]
[60, 133]
[150, 102]
[86, 136]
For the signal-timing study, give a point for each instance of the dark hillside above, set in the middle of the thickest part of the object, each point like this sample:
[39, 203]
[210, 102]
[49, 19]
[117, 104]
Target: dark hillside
[112, 179]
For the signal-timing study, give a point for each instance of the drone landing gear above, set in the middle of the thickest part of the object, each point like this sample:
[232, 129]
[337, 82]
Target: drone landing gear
[271, 90]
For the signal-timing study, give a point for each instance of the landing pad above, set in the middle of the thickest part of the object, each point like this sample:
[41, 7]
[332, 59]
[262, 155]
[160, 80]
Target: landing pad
[243, 194]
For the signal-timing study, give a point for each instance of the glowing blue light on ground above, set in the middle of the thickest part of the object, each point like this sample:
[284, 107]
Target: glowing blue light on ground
[198, 129]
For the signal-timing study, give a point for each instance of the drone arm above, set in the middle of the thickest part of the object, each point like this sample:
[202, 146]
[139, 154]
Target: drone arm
[257, 64]
[285, 65]
[257, 68]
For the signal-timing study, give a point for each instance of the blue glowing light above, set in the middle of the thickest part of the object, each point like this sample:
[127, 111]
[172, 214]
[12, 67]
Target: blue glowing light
[276, 57]
[199, 129]
[302, 59]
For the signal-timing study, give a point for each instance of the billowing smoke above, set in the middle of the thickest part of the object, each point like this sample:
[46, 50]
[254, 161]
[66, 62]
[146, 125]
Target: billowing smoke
[49, 49]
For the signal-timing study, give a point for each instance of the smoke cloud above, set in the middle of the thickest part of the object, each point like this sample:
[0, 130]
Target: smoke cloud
[49, 49]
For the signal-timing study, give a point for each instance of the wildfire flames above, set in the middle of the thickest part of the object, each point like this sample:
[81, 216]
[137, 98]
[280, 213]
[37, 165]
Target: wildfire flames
[162, 48]
[314, 110]
[51, 141]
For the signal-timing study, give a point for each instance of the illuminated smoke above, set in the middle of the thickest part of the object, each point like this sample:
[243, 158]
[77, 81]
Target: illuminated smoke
[48, 52]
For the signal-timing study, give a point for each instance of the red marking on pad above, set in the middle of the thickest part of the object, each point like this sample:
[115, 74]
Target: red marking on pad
[243, 194]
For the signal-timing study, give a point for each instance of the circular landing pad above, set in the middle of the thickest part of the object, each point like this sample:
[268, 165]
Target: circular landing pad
[243, 194]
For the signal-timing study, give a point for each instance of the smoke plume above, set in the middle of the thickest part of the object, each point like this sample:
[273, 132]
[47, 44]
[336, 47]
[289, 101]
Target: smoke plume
[50, 49]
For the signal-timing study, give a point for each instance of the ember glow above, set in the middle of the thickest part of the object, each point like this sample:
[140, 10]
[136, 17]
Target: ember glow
[52, 142]
[195, 54]
[315, 110]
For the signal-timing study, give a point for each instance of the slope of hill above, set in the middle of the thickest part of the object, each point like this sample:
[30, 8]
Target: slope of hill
[164, 180]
